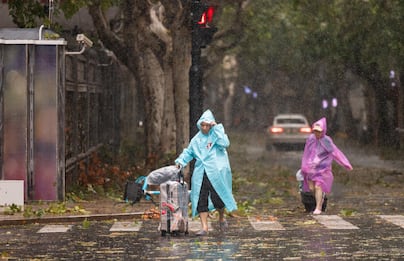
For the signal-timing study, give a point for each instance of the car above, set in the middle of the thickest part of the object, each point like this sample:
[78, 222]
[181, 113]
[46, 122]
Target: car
[288, 131]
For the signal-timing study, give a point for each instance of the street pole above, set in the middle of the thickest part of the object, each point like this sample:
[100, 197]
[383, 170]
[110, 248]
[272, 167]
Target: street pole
[195, 81]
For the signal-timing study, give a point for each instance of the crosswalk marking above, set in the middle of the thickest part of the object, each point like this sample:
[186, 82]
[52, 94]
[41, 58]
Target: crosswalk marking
[395, 219]
[334, 222]
[55, 229]
[264, 225]
[123, 226]
[328, 221]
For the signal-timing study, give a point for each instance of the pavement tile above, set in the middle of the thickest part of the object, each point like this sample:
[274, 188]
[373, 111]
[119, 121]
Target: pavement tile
[264, 225]
[126, 226]
[395, 219]
[55, 228]
[334, 222]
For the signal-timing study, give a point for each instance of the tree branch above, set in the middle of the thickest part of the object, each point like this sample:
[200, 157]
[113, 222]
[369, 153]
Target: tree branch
[109, 37]
[156, 25]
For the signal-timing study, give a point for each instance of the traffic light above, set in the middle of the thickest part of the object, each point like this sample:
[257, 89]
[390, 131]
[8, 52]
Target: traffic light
[205, 35]
[202, 16]
[207, 16]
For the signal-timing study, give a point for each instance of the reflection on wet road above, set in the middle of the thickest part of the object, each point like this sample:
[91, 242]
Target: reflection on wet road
[304, 237]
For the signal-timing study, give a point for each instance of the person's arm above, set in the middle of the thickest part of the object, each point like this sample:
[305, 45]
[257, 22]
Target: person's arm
[337, 154]
[219, 136]
[341, 159]
[185, 157]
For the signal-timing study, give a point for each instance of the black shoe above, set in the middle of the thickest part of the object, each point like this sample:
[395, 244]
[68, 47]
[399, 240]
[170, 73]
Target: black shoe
[223, 225]
[202, 233]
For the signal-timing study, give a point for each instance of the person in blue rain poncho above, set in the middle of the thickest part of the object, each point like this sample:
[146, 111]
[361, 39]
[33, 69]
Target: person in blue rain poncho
[211, 182]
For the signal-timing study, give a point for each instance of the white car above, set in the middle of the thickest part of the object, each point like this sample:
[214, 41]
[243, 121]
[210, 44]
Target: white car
[288, 131]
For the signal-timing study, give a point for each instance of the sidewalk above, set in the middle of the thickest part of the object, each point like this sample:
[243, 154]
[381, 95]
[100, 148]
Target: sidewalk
[54, 212]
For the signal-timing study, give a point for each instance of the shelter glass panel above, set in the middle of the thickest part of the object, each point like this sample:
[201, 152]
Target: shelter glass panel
[15, 113]
[45, 123]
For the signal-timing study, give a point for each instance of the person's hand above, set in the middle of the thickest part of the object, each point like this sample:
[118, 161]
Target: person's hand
[178, 166]
[213, 123]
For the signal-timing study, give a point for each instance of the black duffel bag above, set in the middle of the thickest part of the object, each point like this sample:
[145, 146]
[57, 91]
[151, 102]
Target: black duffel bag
[133, 191]
[309, 201]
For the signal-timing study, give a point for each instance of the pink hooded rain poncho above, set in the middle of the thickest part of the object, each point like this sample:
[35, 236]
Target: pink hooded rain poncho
[317, 159]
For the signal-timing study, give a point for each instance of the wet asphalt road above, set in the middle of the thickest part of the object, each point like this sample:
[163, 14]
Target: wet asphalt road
[302, 238]
[295, 236]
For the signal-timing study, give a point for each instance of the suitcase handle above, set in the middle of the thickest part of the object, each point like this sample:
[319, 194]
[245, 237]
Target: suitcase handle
[181, 176]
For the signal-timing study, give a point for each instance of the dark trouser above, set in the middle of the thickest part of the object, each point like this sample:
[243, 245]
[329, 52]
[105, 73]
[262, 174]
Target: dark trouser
[206, 190]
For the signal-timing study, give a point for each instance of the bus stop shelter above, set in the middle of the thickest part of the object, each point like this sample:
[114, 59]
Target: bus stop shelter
[32, 97]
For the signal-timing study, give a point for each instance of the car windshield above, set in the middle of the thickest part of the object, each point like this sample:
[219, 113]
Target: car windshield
[290, 121]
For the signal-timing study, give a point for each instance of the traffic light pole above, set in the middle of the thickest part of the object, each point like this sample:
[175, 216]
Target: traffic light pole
[195, 83]
[202, 33]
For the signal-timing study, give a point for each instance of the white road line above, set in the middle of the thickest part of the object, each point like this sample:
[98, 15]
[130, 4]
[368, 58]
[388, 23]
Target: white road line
[125, 226]
[329, 221]
[395, 219]
[334, 222]
[264, 225]
[55, 229]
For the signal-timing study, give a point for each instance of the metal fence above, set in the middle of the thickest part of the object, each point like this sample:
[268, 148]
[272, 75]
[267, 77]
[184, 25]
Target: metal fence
[91, 111]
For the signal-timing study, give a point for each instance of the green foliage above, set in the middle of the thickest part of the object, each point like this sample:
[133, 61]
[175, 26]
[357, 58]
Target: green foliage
[295, 35]
[12, 209]
[244, 208]
[51, 36]
[31, 13]
[86, 224]
[71, 7]
[26, 12]
[347, 212]
[4, 255]
[53, 209]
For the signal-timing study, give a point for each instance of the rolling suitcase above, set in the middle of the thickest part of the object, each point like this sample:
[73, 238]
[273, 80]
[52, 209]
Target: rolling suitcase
[174, 208]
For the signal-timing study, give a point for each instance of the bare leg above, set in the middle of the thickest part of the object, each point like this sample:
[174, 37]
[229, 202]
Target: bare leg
[222, 221]
[204, 220]
[311, 185]
[318, 193]
[221, 215]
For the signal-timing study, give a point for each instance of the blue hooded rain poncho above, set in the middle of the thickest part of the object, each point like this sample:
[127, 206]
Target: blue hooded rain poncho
[210, 153]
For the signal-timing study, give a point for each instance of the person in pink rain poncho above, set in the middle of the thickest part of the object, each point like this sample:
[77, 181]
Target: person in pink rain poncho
[319, 153]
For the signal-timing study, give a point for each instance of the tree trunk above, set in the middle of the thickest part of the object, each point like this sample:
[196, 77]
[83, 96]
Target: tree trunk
[181, 65]
[154, 102]
[168, 128]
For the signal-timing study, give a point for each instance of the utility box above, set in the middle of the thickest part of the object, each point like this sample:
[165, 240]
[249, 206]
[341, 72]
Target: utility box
[12, 192]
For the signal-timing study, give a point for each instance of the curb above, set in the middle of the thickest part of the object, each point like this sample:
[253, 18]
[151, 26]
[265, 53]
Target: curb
[64, 219]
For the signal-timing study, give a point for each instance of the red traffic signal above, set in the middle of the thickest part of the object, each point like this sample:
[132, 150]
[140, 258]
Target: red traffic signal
[202, 16]
[207, 16]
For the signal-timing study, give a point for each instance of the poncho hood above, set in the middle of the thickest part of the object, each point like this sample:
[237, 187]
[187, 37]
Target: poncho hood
[323, 124]
[207, 116]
